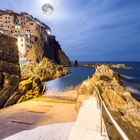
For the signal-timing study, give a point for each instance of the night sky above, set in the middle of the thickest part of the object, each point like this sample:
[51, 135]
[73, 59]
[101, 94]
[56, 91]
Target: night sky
[97, 30]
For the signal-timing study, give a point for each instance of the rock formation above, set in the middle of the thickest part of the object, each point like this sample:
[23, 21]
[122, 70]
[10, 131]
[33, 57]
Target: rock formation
[47, 48]
[9, 67]
[14, 89]
[124, 108]
[112, 66]
[30, 87]
[46, 70]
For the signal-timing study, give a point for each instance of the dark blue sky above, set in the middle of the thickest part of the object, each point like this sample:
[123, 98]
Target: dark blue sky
[98, 30]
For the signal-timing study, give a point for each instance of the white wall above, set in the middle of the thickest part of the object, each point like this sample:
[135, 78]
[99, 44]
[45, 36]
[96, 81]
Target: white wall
[21, 45]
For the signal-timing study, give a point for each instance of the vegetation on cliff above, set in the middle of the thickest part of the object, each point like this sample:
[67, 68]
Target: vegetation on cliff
[124, 108]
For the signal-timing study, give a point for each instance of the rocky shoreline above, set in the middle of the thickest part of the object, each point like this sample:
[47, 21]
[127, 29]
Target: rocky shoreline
[32, 84]
[124, 108]
[113, 66]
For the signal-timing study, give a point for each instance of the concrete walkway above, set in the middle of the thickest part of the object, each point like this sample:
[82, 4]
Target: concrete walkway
[32, 114]
[57, 120]
[87, 126]
[48, 132]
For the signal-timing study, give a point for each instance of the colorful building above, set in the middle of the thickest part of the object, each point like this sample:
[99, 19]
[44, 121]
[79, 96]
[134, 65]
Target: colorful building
[24, 27]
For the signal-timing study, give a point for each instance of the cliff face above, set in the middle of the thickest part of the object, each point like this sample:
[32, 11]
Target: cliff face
[124, 108]
[49, 48]
[13, 88]
[9, 67]
[58, 54]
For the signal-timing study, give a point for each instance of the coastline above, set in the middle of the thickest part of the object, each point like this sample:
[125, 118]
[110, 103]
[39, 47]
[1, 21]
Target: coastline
[121, 104]
[113, 66]
[70, 99]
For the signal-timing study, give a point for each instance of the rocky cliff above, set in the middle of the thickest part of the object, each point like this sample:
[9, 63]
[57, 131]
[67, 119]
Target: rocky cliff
[124, 108]
[13, 87]
[17, 86]
[9, 67]
[46, 70]
[47, 48]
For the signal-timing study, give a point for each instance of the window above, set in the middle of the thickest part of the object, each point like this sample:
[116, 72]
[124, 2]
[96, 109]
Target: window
[21, 39]
[21, 45]
[5, 17]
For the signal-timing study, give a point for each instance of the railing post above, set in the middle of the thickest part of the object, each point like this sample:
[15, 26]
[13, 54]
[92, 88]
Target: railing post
[101, 117]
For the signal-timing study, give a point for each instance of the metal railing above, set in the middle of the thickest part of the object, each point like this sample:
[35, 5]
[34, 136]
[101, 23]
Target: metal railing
[102, 105]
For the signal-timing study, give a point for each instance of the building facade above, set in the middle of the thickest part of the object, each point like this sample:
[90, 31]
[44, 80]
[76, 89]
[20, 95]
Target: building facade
[24, 27]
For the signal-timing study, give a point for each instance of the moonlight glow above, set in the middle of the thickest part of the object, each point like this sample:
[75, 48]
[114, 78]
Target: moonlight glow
[48, 9]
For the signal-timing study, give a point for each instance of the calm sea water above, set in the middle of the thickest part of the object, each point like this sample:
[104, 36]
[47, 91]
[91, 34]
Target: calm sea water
[76, 77]
[80, 74]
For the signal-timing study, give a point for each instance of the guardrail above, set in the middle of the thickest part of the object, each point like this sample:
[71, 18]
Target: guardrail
[102, 105]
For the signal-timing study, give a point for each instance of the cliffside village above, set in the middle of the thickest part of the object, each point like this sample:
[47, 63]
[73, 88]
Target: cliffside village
[24, 27]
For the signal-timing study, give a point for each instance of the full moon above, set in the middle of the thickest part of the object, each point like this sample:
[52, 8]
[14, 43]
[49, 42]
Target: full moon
[48, 8]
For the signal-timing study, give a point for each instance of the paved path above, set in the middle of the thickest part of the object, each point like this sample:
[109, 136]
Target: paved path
[32, 114]
[48, 132]
[87, 126]
[57, 120]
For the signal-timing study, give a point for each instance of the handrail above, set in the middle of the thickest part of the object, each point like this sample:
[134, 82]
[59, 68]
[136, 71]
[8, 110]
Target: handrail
[121, 132]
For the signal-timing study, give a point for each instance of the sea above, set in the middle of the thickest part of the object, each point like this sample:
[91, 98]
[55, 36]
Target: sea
[130, 78]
